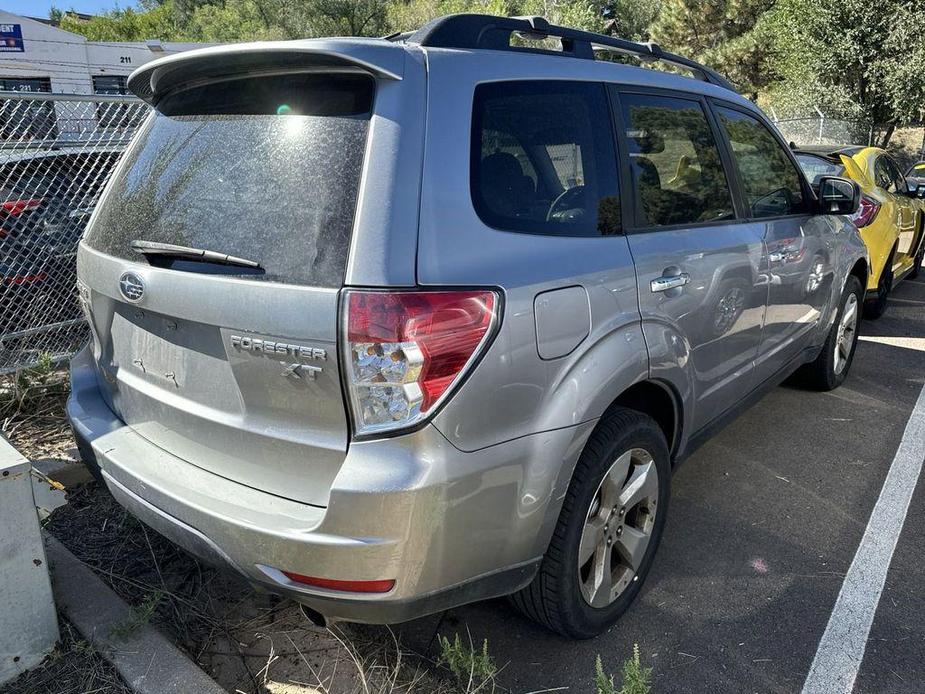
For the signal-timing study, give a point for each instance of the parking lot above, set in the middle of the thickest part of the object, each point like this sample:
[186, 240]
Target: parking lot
[765, 521]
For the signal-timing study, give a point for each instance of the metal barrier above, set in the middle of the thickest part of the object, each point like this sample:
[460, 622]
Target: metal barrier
[56, 153]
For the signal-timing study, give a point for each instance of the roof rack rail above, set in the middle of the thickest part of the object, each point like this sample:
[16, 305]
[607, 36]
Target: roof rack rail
[490, 32]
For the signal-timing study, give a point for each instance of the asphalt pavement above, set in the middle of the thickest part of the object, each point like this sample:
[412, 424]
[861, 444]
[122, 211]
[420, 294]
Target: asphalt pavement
[764, 523]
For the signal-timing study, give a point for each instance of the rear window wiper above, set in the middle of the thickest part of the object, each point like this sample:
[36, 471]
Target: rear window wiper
[170, 250]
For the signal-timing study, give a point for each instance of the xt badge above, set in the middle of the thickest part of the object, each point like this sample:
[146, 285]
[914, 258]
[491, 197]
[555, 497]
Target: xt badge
[272, 348]
[301, 371]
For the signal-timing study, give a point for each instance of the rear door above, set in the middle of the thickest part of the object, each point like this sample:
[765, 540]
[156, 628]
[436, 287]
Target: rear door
[701, 291]
[230, 367]
[907, 210]
[799, 254]
[897, 207]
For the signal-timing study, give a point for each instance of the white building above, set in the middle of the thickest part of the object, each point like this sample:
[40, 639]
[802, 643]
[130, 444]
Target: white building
[37, 57]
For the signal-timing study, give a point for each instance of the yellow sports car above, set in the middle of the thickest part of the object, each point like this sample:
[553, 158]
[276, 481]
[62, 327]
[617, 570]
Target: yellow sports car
[890, 218]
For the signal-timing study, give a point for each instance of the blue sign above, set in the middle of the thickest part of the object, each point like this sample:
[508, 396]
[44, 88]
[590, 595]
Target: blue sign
[11, 38]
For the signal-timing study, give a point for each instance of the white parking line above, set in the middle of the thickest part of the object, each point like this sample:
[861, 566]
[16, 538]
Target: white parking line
[841, 649]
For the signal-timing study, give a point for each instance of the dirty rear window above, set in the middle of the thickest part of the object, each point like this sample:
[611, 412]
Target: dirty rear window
[265, 169]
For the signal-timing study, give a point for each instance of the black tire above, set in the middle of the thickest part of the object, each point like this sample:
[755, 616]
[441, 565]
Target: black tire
[822, 373]
[874, 308]
[554, 598]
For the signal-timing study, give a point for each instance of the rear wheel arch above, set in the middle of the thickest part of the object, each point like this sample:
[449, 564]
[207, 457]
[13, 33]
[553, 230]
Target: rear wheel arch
[659, 401]
[860, 270]
[888, 263]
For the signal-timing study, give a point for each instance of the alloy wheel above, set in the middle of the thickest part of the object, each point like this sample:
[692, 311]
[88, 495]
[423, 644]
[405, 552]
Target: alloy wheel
[847, 329]
[618, 528]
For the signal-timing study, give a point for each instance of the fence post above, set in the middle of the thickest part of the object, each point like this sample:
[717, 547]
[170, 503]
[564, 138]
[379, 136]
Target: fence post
[821, 124]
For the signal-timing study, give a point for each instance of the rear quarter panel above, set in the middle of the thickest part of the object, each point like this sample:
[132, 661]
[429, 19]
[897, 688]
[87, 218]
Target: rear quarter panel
[513, 391]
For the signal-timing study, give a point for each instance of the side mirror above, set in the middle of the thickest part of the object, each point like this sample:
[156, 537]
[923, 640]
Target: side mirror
[920, 191]
[838, 195]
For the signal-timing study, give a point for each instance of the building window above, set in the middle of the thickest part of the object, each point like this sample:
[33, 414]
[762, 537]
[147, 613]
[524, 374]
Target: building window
[109, 84]
[109, 114]
[24, 120]
[25, 84]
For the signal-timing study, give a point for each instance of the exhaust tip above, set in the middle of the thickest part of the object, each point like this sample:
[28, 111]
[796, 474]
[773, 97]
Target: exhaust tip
[314, 616]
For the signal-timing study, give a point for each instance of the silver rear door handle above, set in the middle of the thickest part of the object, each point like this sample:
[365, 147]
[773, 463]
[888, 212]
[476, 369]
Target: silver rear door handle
[666, 282]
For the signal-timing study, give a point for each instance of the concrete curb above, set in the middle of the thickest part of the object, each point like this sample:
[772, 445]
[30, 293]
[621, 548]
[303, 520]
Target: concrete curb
[146, 660]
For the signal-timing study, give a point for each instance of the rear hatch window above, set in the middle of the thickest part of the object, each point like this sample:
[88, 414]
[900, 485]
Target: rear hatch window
[266, 169]
[815, 167]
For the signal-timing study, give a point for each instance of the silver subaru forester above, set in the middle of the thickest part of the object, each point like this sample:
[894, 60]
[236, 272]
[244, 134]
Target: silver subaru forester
[391, 325]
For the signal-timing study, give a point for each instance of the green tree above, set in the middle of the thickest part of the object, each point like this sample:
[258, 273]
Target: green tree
[630, 19]
[152, 20]
[853, 59]
[732, 36]
[304, 18]
[234, 20]
[410, 14]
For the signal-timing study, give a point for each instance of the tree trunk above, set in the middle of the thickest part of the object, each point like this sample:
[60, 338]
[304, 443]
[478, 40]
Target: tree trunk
[887, 135]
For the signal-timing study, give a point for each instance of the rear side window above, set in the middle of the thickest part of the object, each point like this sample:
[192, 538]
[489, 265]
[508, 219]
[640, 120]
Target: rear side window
[899, 181]
[882, 175]
[543, 158]
[770, 180]
[677, 171]
[265, 169]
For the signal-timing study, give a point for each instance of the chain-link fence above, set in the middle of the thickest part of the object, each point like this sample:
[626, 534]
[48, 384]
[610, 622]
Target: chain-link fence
[906, 143]
[56, 153]
[819, 130]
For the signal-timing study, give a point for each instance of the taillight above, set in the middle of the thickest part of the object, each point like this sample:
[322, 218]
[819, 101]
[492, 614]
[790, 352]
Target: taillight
[405, 350]
[866, 212]
[14, 208]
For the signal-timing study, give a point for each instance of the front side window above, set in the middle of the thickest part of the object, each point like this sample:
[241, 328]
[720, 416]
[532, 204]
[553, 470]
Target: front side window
[771, 182]
[677, 171]
[543, 158]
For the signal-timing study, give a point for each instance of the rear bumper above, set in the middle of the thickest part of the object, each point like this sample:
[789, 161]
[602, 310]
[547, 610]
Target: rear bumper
[449, 527]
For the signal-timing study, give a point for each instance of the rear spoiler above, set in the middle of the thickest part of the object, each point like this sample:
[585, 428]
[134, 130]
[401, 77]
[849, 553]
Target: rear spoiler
[855, 171]
[375, 56]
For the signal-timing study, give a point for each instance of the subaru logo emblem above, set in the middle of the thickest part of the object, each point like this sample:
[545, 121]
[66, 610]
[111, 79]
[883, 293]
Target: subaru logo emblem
[132, 287]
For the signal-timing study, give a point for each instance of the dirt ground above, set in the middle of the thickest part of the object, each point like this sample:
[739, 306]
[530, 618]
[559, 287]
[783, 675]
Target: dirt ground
[74, 667]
